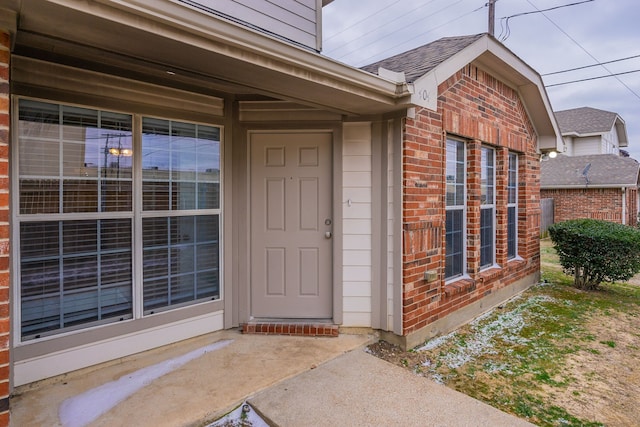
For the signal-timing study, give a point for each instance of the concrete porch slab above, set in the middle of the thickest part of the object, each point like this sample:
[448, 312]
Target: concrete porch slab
[202, 389]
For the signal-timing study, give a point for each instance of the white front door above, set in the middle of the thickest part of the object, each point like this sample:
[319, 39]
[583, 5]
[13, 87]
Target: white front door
[291, 225]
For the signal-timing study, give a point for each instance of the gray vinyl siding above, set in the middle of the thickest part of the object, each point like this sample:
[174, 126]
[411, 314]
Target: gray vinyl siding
[295, 20]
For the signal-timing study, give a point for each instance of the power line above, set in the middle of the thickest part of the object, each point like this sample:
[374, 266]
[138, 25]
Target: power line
[366, 60]
[362, 20]
[590, 66]
[376, 29]
[507, 31]
[587, 52]
[594, 78]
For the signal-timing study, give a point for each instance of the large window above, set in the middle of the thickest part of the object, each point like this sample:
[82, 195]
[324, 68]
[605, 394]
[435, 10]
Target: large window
[180, 179]
[85, 180]
[455, 209]
[512, 207]
[487, 207]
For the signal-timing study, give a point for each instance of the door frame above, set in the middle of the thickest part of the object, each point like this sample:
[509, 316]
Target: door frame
[243, 210]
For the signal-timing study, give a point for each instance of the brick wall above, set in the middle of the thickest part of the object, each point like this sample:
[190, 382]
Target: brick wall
[597, 203]
[4, 228]
[480, 109]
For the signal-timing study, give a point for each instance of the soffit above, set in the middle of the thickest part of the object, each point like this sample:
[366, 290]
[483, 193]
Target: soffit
[144, 40]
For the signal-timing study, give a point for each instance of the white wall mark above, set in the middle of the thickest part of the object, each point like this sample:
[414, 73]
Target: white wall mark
[80, 410]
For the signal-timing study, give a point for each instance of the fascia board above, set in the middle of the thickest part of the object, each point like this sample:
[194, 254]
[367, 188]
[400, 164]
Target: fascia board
[582, 135]
[621, 129]
[535, 99]
[495, 58]
[9, 20]
[426, 86]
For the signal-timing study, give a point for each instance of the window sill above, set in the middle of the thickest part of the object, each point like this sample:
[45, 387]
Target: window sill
[460, 286]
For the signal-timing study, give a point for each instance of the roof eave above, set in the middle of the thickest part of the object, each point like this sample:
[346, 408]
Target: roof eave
[494, 57]
[175, 36]
[621, 129]
[585, 186]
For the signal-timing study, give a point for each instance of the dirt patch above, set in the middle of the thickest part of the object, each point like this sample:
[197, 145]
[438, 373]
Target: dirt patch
[606, 374]
[597, 383]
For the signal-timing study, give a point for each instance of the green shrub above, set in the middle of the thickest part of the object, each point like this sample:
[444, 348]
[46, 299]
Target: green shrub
[595, 251]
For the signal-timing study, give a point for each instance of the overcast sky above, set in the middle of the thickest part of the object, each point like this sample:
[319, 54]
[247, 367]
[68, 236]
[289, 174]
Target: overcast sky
[359, 32]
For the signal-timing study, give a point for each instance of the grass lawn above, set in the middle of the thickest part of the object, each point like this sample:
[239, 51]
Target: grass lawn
[554, 355]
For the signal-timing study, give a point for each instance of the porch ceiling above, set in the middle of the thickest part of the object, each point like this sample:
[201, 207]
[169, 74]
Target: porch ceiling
[165, 42]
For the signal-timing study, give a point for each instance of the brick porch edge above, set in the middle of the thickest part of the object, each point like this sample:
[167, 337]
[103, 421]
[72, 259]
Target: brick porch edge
[280, 328]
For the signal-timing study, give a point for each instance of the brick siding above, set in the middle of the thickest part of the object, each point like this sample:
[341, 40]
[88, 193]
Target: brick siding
[480, 109]
[4, 228]
[596, 203]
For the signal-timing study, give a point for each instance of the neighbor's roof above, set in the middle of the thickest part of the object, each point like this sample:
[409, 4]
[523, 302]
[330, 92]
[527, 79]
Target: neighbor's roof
[594, 171]
[585, 120]
[419, 61]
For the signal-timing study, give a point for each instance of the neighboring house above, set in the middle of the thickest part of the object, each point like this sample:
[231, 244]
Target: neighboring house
[592, 142]
[603, 186]
[591, 131]
[176, 172]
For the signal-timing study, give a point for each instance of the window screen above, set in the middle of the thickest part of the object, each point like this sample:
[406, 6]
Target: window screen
[77, 176]
[487, 207]
[455, 209]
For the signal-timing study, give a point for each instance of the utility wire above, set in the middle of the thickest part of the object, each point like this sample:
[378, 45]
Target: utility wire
[590, 66]
[586, 51]
[594, 78]
[507, 31]
[377, 29]
[362, 20]
[368, 59]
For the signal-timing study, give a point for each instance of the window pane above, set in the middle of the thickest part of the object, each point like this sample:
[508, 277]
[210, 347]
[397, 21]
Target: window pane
[454, 226]
[512, 183]
[487, 174]
[486, 237]
[79, 273]
[454, 258]
[455, 173]
[75, 146]
[80, 196]
[511, 232]
[182, 230]
[184, 196]
[181, 165]
[155, 195]
[512, 201]
[181, 258]
[208, 195]
[39, 196]
[38, 157]
[68, 277]
[79, 237]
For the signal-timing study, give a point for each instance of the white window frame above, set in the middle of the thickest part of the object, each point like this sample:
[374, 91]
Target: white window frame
[135, 215]
[459, 207]
[512, 184]
[489, 204]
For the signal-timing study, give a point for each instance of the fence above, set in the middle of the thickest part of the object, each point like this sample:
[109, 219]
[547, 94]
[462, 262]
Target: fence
[546, 215]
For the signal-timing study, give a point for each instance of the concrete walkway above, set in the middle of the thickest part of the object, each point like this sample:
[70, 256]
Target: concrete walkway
[290, 381]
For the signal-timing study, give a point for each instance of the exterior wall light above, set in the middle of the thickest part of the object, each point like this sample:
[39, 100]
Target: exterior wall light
[548, 155]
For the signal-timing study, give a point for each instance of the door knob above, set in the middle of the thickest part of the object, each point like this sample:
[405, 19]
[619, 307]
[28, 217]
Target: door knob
[327, 234]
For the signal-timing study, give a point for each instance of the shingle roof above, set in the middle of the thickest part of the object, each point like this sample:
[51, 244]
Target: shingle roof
[419, 61]
[585, 120]
[606, 170]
